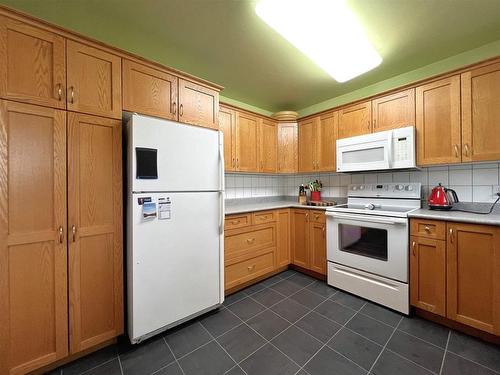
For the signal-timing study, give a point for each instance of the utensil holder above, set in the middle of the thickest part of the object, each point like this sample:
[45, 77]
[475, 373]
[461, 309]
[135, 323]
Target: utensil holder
[315, 195]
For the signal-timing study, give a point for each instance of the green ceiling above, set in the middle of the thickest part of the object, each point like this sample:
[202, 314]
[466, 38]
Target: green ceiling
[225, 42]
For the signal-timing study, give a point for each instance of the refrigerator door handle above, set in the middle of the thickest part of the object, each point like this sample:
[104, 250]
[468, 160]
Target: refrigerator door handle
[222, 216]
[221, 161]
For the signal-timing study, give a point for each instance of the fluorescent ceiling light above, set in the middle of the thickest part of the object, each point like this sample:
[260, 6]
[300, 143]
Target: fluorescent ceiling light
[324, 30]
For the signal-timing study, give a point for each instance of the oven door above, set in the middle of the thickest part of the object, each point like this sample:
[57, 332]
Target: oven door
[375, 244]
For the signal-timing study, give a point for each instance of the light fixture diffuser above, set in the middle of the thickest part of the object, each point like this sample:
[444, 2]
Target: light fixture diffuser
[324, 30]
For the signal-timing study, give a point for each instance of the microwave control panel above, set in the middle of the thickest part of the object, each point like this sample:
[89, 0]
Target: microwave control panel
[401, 149]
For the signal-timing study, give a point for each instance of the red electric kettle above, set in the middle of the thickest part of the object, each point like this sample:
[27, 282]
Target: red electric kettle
[442, 198]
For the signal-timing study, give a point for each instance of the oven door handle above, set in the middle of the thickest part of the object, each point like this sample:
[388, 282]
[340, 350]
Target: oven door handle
[369, 219]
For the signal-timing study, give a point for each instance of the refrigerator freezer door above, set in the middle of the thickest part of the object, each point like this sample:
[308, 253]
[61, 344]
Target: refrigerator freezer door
[174, 259]
[188, 157]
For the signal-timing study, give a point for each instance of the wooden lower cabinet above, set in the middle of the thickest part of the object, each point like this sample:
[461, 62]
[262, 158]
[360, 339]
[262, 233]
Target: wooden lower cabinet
[283, 237]
[33, 247]
[309, 240]
[473, 275]
[95, 230]
[428, 274]
[458, 276]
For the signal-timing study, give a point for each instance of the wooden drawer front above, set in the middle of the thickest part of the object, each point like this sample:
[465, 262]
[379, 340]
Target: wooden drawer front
[242, 241]
[249, 269]
[428, 228]
[264, 217]
[318, 217]
[237, 221]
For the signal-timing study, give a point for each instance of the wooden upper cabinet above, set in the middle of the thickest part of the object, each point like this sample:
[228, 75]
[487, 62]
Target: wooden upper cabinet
[33, 260]
[355, 120]
[326, 137]
[300, 238]
[473, 281]
[95, 230]
[317, 250]
[247, 136]
[94, 81]
[428, 274]
[307, 144]
[394, 111]
[287, 147]
[438, 122]
[149, 91]
[481, 113]
[227, 124]
[268, 146]
[32, 64]
[198, 105]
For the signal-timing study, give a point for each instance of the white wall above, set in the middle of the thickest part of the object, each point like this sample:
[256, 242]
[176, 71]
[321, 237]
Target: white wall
[472, 182]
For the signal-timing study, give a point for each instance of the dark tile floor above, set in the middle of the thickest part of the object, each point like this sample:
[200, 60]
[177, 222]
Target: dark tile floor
[293, 324]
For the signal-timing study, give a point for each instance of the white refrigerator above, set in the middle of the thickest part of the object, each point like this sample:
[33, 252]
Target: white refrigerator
[175, 218]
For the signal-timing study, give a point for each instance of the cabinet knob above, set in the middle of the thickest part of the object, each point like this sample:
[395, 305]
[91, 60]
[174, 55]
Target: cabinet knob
[181, 110]
[61, 234]
[71, 94]
[250, 268]
[174, 108]
[250, 240]
[466, 149]
[235, 222]
[455, 147]
[73, 233]
[451, 235]
[59, 92]
[427, 229]
[413, 245]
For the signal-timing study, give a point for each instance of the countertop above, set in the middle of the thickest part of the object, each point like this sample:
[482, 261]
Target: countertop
[238, 206]
[464, 217]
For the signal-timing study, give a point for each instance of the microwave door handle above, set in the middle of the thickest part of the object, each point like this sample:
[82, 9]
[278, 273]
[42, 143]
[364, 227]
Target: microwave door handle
[389, 148]
[368, 219]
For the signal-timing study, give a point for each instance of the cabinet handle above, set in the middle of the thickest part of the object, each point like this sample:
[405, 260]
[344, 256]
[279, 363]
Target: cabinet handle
[374, 123]
[250, 240]
[237, 163]
[316, 216]
[72, 95]
[250, 268]
[234, 163]
[324, 231]
[73, 233]
[451, 235]
[59, 92]
[427, 229]
[261, 165]
[307, 217]
[235, 222]
[466, 147]
[413, 245]
[455, 147]
[174, 108]
[61, 234]
[181, 110]
[368, 127]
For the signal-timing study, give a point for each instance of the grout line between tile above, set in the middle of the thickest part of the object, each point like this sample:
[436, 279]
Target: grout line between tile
[444, 355]
[175, 359]
[97, 366]
[385, 345]
[410, 360]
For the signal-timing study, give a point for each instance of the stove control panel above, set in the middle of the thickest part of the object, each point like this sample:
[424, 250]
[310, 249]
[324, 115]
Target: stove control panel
[409, 190]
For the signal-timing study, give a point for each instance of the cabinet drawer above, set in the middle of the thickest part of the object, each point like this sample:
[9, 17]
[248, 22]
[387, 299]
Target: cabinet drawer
[241, 242]
[249, 269]
[264, 217]
[317, 217]
[237, 221]
[428, 228]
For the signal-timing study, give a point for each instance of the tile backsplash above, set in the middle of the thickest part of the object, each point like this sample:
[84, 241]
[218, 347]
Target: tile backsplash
[472, 182]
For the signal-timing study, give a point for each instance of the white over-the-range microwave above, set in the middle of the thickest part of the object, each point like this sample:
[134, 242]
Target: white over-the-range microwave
[391, 149]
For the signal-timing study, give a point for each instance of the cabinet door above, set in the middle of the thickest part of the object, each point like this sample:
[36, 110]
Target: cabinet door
[94, 81]
[283, 236]
[287, 147]
[300, 238]
[247, 136]
[32, 64]
[394, 111]
[317, 248]
[227, 125]
[95, 230]
[149, 91]
[268, 146]
[33, 263]
[355, 120]
[481, 113]
[326, 136]
[473, 275]
[307, 145]
[428, 274]
[438, 122]
[198, 105]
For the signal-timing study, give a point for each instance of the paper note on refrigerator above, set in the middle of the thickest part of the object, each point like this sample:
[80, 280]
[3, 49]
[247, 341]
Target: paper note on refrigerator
[164, 208]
